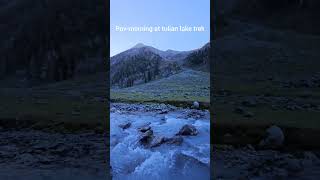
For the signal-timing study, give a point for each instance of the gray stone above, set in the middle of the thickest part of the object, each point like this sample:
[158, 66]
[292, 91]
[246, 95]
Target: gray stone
[157, 141]
[146, 137]
[274, 138]
[125, 126]
[144, 128]
[188, 130]
[196, 105]
[177, 140]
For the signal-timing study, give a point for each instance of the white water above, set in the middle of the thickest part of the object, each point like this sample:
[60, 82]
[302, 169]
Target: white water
[130, 160]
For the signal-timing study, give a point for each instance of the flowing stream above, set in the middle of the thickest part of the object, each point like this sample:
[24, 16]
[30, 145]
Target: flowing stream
[132, 160]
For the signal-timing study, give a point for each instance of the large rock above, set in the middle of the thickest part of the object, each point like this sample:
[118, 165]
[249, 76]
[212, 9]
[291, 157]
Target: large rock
[196, 105]
[146, 137]
[274, 138]
[188, 130]
[177, 140]
[158, 141]
[125, 126]
[144, 128]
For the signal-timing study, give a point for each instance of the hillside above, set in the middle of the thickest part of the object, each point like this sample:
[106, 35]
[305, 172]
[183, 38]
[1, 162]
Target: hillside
[41, 40]
[142, 64]
[266, 72]
[139, 65]
[199, 59]
[186, 86]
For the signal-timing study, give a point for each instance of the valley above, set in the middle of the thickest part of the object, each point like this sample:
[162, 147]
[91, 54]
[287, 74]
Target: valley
[159, 115]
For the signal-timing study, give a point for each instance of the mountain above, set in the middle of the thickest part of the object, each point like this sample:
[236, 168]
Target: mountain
[168, 55]
[142, 64]
[139, 65]
[199, 59]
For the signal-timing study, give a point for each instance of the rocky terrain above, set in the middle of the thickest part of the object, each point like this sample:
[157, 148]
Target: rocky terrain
[34, 155]
[199, 59]
[229, 162]
[159, 141]
[27, 153]
[53, 89]
[55, 131]
[142, 64]
[140, 67]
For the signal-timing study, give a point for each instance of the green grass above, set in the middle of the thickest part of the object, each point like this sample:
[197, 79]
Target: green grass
[187, 86]
[247, 88]
[71, 104]
[264, 116]
[54, 110]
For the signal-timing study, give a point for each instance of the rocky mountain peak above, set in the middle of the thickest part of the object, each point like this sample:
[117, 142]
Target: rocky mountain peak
[139, 45]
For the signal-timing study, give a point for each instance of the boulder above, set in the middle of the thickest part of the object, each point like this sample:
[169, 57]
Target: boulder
[125, 126]
[177, 140]
[274, 138]
[195, 105]
[144, 128]
[158, 141]
[146, 137]
[188, 130]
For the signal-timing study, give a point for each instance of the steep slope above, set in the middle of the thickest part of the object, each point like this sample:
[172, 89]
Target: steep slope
[139, 65]
[52, 40]
[199, 59]
[142, 64]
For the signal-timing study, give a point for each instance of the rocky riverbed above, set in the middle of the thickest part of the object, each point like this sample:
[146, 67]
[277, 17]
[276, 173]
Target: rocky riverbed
[33, 155]
[158, 141]
[154, 143]
[248, 163]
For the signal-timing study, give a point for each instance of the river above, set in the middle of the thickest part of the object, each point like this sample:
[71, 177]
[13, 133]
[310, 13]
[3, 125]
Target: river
[132, 160]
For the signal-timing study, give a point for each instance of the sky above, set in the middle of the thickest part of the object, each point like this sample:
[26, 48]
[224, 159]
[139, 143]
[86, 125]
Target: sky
[126, 13]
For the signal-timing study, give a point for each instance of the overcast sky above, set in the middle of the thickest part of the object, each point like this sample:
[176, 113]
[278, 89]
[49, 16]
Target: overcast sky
[126, 13]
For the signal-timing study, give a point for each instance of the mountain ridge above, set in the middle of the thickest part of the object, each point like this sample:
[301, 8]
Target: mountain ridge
[142, 63]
